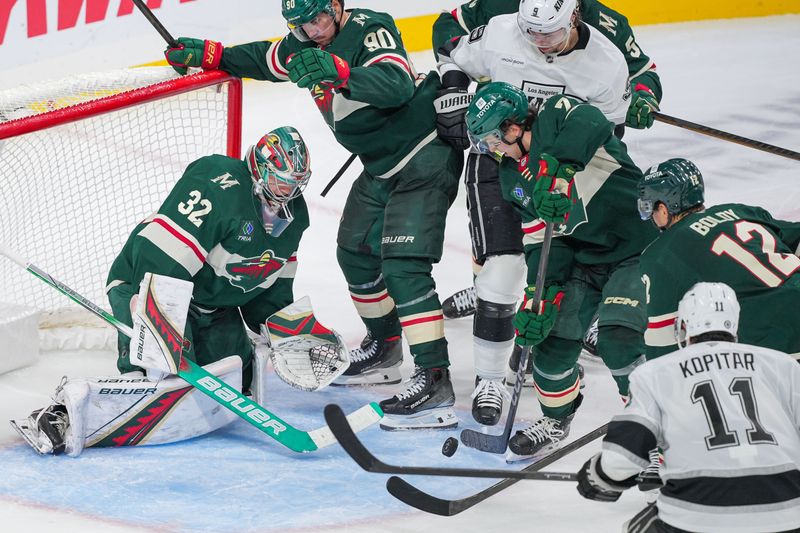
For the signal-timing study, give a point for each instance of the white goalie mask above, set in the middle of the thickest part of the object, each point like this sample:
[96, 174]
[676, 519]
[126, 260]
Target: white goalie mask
[706, 307]
[546, 23]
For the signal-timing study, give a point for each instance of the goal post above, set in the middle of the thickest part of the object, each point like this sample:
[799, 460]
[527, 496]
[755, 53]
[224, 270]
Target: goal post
[84, 159]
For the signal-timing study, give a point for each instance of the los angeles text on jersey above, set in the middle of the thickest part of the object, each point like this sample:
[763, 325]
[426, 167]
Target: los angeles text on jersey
[717, 361]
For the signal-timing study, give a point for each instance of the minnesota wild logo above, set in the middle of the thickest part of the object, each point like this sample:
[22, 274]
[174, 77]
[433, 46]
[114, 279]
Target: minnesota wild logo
[251, 272]
[323, 97]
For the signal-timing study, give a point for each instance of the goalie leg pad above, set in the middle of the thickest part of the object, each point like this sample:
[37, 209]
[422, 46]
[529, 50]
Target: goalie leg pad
[159, 322]
[135, 411]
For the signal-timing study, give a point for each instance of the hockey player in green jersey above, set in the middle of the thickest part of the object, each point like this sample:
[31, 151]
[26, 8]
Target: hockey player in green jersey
[392, 230]
[739, 245]
[232, 227]
[564, 165]
[591, 55]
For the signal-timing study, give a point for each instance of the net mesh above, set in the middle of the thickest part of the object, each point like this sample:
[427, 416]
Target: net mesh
[72, 193]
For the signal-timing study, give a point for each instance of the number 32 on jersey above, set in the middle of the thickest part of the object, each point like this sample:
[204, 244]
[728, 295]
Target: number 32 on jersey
[195, 207]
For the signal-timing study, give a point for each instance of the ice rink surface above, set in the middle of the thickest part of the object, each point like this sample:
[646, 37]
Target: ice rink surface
[739, 76]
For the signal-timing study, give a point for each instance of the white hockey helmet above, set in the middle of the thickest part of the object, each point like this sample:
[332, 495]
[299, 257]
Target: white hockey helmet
[706, 307]
[546, 23]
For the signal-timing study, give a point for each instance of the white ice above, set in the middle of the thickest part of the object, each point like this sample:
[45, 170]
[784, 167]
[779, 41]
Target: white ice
[739, 76]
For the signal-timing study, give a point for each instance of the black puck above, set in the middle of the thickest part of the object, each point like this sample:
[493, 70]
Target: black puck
[449, 447]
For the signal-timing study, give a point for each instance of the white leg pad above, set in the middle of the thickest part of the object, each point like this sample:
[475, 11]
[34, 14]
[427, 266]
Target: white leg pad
[502, 279]
[135, 411]
[491, 358]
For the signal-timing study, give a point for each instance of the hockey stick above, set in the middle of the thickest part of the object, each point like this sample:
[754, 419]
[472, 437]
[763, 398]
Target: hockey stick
[338, 175]
[499, 443]
[410, 495]
[725, 136]
[341, 429]
[210, 385]
[152, 19]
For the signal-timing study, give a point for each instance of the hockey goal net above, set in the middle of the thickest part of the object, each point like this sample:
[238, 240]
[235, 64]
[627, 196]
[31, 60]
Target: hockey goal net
[82, 160]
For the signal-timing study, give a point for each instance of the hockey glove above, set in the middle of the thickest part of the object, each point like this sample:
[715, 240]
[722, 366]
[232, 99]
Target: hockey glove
[533, 325]
[594, 484]
[643, 103]
[553, 191]
[312, 66]
[451, 106]
[194, 53]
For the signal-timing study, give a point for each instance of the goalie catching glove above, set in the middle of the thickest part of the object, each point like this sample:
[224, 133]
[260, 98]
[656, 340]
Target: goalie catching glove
[533, 326]
[312, 66]
[553, 193]
[194, 53]
[304, 353]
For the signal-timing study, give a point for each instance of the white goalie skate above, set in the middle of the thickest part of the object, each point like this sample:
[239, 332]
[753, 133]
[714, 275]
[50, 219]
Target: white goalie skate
[45, 429]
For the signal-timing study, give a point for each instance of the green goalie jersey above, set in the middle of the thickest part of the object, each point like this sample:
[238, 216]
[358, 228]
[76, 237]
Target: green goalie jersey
[384, 115]
[611, 24]
[742, 246]
[209, 231]
[603, 226]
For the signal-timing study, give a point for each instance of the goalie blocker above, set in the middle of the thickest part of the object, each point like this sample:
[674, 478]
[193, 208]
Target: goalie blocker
[134, 409]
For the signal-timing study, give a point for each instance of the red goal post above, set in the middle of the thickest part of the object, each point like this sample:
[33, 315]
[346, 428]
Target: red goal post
[83, 159]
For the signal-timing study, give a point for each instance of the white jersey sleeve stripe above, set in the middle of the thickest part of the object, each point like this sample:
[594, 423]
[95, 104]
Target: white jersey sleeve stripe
[394, 59]
[175, 242]
[274, 62]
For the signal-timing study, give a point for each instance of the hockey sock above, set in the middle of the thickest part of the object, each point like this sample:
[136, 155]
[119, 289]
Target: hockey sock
[621, 349]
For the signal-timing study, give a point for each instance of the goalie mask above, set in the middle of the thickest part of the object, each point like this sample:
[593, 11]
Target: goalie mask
[280, 167]
[676, 183]
[706, 308]
[546, 23]
[493, 108]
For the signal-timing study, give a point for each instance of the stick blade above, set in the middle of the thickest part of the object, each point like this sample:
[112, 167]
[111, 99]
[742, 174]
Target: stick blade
[413, 497]
[483, 442]
[341, 429]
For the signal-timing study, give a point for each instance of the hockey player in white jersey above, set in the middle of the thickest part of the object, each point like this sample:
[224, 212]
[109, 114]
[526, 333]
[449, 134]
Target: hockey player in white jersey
[727, 416]
[545, 50]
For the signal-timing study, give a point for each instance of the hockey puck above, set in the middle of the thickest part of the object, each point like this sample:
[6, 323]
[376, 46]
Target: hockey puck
[449, 447]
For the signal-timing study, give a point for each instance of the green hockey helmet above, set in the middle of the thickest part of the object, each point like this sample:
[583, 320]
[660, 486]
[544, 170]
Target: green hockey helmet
[280, 167]
[677, 183]
[490, 109]
[299, 12]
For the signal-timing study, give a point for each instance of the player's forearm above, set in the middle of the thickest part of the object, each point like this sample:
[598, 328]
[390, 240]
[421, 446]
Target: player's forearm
[445, 29]
[651, 80]
[250, 61]
[582, 131]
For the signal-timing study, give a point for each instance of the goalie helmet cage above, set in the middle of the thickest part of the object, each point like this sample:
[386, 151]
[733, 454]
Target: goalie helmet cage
[84, 159]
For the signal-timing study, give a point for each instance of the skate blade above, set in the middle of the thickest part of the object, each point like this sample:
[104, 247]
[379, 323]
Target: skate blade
[376, 376]
[512, 457]
[438, 418]
[28, 435]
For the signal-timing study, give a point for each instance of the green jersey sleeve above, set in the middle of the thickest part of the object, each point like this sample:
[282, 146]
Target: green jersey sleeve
[569, 130]
[261, 60]
[380, 72]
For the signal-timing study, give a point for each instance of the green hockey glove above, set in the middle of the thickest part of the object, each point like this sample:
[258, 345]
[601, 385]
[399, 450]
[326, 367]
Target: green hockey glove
[533, 325]
[553, 191]
[643, 103]
[312, 66]
[194, 53]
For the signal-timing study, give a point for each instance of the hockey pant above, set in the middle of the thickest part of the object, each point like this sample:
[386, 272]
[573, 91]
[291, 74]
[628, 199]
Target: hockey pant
[213, 334]
[496, 234]
[616, 293]
[391, 233]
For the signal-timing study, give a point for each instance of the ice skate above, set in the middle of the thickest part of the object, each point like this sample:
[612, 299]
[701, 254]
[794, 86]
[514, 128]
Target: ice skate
[542, 437]
[426, 403]
[374, 362]
[44, 430]
[487, 400]
[650, 478]
[460, 304]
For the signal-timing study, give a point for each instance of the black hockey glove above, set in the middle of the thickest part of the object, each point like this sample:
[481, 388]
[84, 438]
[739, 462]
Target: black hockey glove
[594, 484]
[451, 106]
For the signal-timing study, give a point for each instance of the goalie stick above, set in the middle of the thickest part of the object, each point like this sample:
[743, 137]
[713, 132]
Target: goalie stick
[499, 443]
[412, 496]
[213, 387]
[343, 432]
